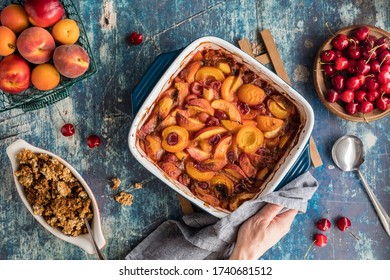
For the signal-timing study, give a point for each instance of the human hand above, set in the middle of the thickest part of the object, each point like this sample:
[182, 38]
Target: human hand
[262, 231]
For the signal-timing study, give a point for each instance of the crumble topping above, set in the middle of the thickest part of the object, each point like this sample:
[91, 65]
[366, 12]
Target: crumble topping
[124, 198]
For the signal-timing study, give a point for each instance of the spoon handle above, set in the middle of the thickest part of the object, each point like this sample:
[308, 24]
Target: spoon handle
[96, 247]
[383, 216]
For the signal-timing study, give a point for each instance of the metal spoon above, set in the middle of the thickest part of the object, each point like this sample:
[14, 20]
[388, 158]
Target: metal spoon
[96, 247]
[348, 154]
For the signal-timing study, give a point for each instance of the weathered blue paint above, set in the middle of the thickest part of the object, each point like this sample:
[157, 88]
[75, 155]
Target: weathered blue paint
[101, 104]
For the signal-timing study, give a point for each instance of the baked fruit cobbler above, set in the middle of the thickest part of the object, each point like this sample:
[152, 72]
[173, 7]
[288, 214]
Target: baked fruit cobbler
[219, 129]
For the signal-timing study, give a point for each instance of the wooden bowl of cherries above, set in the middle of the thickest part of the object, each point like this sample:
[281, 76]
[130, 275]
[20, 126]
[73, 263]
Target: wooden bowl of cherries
[352, 73]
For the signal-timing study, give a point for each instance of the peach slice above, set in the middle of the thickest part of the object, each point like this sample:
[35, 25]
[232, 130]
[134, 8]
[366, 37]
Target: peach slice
[224, 67]
[262, 173]
[153, 147]
[201, 105]
[231, 126]
[240, 199]
[209, 72]
[230, 110]
[256, 160]
[205, 145]
[196, 174]
[183, 90]
[273, 133]
[182, 138]
[247, 166]
[188, 123]
[171, 118]
[251, 94]
[235, 171]
[170, 169]
[192, 71]
[207, 132]
[149, 126]
[249, 122]
[223, 181]
[197, 56]
[207, 197]
[249, 139]
[212, 165]
[277, 109]
[267, 123]
[164, 106]
[208, 94]
[182, 155]
[222, 147]
[229, 88]
[198, 154]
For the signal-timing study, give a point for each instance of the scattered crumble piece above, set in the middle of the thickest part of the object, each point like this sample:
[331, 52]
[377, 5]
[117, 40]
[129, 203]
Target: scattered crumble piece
[124, 198]
[116, 182]
[138, 185]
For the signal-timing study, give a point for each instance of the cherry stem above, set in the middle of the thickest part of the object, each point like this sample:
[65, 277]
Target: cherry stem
[308, 250]
[357, 238]
[330, 31]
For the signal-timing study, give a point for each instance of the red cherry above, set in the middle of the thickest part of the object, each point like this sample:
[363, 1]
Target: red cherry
[347, 96]
[221, 115]
[67, 129]
[338, 53]
[353, 51]
[343, 223]
[382, 103]
[320, 240]
[136, 38]
[340, 42]
[384, 57]
[369, 54]
[360, 95]
[372, 83]
[369, 43]
[385, 68]
[365, 107]
[329, 70]
[353, 83]
[93, 141]
[332, 96]
[172, 138]
[374, 66]
[323, 224]
[372, 95]
[351, 108]
[383, 77]
[351, 66]
[362, 67]
[338, 82]
[383, 43]
[361, 33]
[384, 88]
[341, 63]
[328, 55]
[362, 79]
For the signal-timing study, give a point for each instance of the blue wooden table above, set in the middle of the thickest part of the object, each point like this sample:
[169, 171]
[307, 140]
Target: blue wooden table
[101, 105]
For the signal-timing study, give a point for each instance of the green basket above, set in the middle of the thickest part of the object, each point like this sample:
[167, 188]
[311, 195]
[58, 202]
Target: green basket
[34, 99]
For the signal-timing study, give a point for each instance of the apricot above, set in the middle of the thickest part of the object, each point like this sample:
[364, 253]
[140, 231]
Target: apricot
[267, 123]
[227, 107]
[201, 105]
[190, 124]
[15, 18]
[251, 94]
[230, 86]
[205, 145]
[182, 155]
[212, 165]
[249, 122]
[277, 109]
[235, 171]
[45, 77]
[222, 147]
[196, 174]
[224, 67]
[231, 126]
[240, 199]
[262, 173]
[179, 142]
[192, 69]
[249, 139]
[209, 72]
[208, 94]
[66, 31]
[8, 41]
[223, 181]
[182, 92]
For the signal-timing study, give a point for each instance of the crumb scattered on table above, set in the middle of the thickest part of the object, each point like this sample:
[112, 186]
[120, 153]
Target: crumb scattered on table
[116, 182]
[124, 198]
[138, 185]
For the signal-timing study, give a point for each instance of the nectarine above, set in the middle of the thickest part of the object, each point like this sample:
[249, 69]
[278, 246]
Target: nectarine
[71, 61]
[36, 45]
[44, 13]
[15, 18]
[14, 74]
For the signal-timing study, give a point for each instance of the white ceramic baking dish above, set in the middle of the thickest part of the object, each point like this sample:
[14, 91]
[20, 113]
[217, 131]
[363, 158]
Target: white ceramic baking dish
[83, 241]
[284, 164]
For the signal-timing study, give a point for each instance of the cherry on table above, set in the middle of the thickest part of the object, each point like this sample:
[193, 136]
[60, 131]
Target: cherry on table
[320, 240]
[67, 130]
[136, 38]
[323, 224]
[93, 141]
[343, 224]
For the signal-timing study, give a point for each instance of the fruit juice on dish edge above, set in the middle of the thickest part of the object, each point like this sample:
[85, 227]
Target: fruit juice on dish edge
[282, 166]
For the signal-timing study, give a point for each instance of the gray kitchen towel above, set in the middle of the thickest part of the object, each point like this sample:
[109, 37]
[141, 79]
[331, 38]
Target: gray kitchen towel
[203, 236]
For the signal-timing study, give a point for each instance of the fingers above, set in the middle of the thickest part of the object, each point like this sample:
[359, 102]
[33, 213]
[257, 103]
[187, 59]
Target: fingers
[268, 212]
